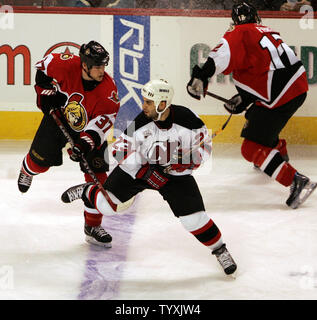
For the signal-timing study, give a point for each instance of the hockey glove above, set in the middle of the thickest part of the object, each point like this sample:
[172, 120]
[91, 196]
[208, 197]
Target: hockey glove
[189, 160]
[152, 175]
[237, 105]
[48, 99]
[82, 146]
[198, 84]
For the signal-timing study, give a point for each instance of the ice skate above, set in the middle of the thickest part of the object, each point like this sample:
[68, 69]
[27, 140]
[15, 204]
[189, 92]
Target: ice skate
[301, 189]
[224, 258]
[98, 236]
[75, 192]
[256, 168]
[24, 181]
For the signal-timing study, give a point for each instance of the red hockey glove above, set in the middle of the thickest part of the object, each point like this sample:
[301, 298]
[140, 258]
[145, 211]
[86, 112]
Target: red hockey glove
[152, 175]
[191, 161]
[82, 146]
[48, 99]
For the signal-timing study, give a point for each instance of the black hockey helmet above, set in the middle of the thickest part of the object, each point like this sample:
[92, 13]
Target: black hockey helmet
[243, 12]
[93, 54]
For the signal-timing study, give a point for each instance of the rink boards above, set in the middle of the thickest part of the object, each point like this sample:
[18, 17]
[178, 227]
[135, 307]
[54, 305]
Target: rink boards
[141, 47]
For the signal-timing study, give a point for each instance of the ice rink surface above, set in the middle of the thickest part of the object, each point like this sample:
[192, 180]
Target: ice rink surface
[43, 254]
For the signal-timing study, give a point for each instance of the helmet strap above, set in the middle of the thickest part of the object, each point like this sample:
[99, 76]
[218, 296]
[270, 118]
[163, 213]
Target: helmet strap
[160, 113]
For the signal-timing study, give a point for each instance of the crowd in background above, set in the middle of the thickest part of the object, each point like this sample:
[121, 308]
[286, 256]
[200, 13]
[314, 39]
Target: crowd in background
[271, 5]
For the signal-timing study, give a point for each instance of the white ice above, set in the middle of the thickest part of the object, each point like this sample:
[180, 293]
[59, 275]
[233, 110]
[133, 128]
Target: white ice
[43, 254]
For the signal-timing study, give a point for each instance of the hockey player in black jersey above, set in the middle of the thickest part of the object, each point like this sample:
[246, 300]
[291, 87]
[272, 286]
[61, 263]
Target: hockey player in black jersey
[159, 151]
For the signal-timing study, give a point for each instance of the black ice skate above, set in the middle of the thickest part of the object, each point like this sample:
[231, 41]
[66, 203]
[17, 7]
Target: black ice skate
[224, 258]
[98, 236]
[24, 181]
[75, 192]
[301, 189]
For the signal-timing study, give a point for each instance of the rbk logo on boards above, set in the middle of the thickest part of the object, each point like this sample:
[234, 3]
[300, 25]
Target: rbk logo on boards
[131, 42]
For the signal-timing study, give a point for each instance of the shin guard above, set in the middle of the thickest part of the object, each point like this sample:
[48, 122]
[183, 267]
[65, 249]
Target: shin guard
[203, 228]
[269, 160]
[31, 168]
[92, 216]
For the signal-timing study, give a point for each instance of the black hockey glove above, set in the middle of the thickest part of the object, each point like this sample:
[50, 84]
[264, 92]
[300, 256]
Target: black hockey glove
[198, 84]
[48, 99]
[153, 175]
[237, 105]
[82, 146]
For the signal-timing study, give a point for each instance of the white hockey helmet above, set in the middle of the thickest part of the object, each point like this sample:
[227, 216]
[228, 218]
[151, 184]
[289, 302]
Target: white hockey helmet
[158, 91]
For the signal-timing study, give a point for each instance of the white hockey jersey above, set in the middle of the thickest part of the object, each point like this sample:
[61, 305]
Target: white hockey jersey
[157, 142]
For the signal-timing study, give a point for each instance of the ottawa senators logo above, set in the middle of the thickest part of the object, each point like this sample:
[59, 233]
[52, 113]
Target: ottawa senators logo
[75, 113]
[114, 97]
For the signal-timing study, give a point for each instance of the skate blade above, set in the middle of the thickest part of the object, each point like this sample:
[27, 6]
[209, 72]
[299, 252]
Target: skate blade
[93, 241]
[232, 276]
[309, 188]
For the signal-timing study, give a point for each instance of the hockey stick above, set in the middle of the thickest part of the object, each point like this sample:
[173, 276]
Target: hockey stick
[225, 101]
[168, 168]
[222, 128]
[183, 156]
[218, 97]
[114, 206]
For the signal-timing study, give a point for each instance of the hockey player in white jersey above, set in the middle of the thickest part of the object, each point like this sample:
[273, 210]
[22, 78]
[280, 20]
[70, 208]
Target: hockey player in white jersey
[158, 151]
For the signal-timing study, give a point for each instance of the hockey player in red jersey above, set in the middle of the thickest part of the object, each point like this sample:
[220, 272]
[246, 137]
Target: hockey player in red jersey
[159, 151]
[85, 97]
[271, 83]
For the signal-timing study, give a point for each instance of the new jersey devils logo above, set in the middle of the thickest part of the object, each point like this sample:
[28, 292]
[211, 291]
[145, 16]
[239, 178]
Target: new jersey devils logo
[75, 113]
[160, 152]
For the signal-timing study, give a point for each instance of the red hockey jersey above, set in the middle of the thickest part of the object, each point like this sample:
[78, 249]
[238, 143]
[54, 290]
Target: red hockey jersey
[84, 110]
[262, 65]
